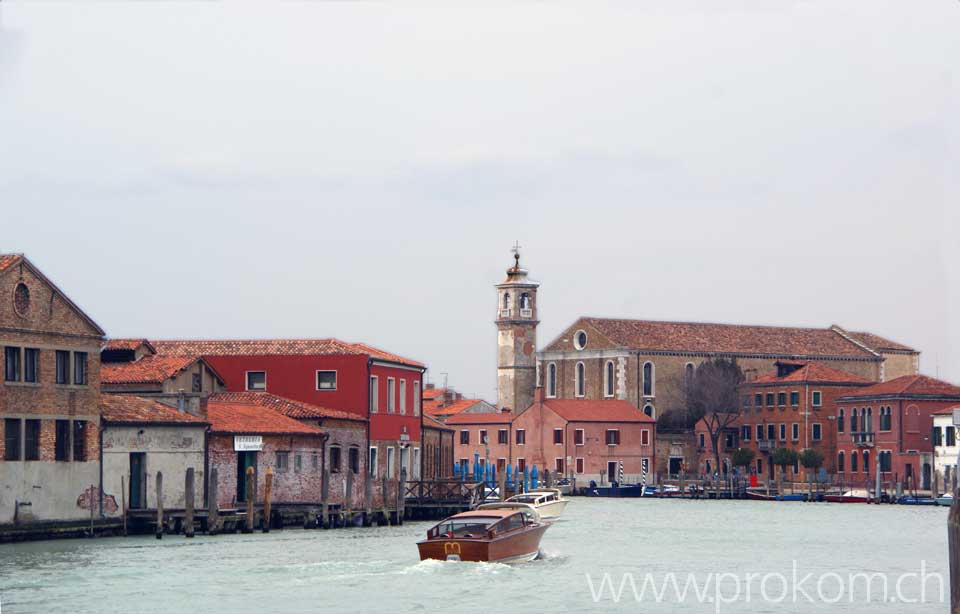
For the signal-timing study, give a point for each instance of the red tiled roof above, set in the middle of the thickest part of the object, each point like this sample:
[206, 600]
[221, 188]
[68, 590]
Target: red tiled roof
[432, 393]
[127, 409]
[811, 372]
[284, 406]
[127, 344]
[253, 347]
[430, 423]
[497, 418]
[147, 370]
[382, 355]
[249, 419]
[432, 407]
[878, 343]
[717, 338]
[947, 411]
[8, 260]
[908, 385]
[584, 410]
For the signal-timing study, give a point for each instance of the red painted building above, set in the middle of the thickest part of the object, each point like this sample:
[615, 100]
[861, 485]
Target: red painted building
[350, 377]
[892, 421]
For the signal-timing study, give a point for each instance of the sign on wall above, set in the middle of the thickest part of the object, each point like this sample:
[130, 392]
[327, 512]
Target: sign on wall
[247, 443]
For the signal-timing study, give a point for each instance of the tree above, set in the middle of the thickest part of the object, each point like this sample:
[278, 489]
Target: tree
[742, 457]
[711, 396]
[811, 459]
[784, 457]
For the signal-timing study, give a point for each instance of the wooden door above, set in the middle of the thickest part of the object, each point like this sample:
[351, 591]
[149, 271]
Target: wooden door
[138, 468]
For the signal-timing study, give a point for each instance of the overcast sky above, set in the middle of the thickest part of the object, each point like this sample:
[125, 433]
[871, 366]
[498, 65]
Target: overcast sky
[360, 170]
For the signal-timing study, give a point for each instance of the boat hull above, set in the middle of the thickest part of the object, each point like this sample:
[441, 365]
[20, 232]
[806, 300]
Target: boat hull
[514, 547]
[551, 510]
[845, 499]
[615, 491]
[945, 501]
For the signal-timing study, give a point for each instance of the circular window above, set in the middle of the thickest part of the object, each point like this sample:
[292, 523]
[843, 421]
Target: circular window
[648, 409]
[21, 298]
[580, 340]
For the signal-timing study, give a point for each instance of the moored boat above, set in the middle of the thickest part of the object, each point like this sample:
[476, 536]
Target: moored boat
[495, 532]
[548, 502]
[847, 497]
[617, 491]
[946, 500]
[908, 500]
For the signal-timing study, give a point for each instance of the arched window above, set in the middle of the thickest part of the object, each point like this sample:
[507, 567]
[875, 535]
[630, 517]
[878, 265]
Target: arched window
[648, 409]
[506, 300]
[688, 371]
[869, 425]
[840, 461]
[552, 379]
[608, 379]
[853, 425]
[853, 461]
[579, 380]
[840, 421]
[708, 467]
[648, 375]
[525, 300]
[866, 461]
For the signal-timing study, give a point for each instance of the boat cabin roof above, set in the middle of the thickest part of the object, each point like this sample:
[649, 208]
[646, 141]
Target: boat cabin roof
[494, 513]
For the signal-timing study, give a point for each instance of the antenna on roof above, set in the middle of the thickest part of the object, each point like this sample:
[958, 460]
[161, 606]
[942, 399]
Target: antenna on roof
[444, 380]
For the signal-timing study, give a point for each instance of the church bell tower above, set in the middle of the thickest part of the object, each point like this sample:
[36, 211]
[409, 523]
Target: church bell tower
[516, 338]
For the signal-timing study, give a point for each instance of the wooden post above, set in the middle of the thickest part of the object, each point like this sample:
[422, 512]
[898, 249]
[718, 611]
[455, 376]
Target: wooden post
[401, 483]
[92, 507]
[267, 492]
[547, 479]
[348, 501]
[123, 503]
[213, 508]
[324, 494]
[159, 505]
[502, 485]
[251, 497]
[953, 533]
[188, 492]
[368, 499]
[384, 492]
[683, 493]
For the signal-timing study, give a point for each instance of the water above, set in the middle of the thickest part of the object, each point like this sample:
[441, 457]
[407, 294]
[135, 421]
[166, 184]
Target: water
[362, 570]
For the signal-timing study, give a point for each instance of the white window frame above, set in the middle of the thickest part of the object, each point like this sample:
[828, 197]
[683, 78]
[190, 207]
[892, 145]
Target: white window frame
[373, 461]
[416, 397]
[415, 466]
[606, 438]
[246, 380]
[391, 395]
[579, 381]
[583, 437]
[481, 435]
[576, 339]
[609, 373]
[555, 437]
[795, 431]
[391, 461]
[374, 394]
[507, 431]
[653, 380]
[518, 431]
[816, 398]
[521, 464]
[552, 380]
[402, 392]
[813, 429]
[644, 434]
[562, 464]
[316, 379]
[460, 440]
[783, 431]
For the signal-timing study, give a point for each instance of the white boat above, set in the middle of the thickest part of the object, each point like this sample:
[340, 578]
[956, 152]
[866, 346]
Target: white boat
[549, 502]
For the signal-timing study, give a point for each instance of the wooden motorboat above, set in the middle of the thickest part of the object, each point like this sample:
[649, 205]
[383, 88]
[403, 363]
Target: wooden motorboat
[847, 497]
[495, 532]
[908, 500]
[548, 502]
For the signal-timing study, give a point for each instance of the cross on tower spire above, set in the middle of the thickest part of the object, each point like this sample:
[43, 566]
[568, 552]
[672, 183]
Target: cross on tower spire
[516, 252]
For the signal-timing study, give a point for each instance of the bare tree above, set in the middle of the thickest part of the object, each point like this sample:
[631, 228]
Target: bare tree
[712, 397]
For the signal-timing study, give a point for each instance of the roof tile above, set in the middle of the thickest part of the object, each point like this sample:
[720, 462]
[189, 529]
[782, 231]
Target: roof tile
[128, 409]
[284, 406]
[908, 385]
[248, 418]
[811, 372]
[147, 370]
[584, 410]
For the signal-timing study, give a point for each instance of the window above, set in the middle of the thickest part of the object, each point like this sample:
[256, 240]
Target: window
[608, 379]
[746, 400]
[416, 397]
[951, 436]
[579, 465]
[769, 399]
[937, 436]
[63, 367]
[391, 399]
[464, 437]
[759, 466]
[580, 340]
[62, 441]
[840, 461]
[771, 432]
[728, 440]
[80, 440]
[840, 421]
[283, 462]
[613, 437]
[745, 432]
[316, 462]
[353, 459]
[256, 380]
[374, 394]
[759, 432]
[579, 384]
[403, 396]
[578, 437]
[795, 431]
[521, 465]
[552, 379]
[31, 440]
[853, 421]
[794, 398]
[816, 399]
[782, 399]
[869, 421]
[525, 300]
[483, 437]
[11, 370]
[886, 460]
[758, 399]
[391, 461]
[648, 377]
[557, 435]
[372, 462]
[817, 431]
[80, 368]
[853, 460]
[644, 437]
[783, 432]
[866, 461]
[688, 372]
[334, 459]
[31, 365]
[326, 380]
[703, 441]
[501, 464]
[886, 420]
[521, 437]
[558, 464]
[196, 383]
[297, 463]
[11, 439]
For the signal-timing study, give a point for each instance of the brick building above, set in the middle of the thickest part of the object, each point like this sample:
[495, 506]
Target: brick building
[891, 421]
[792, 407]
[441, 403]
[438, 449]
[485, 434]
[49, 401]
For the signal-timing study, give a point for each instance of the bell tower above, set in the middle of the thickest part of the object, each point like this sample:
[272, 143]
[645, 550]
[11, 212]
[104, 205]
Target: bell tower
[516, 338]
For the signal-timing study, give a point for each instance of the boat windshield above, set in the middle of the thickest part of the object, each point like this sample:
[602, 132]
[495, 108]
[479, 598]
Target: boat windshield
[466, 527]
[526, 499]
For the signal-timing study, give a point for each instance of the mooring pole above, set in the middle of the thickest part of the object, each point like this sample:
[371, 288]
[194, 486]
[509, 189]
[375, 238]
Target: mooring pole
[213, 509]
[123, 503]
[188, 492]
[348, 501]
[267, 491]
[159, 505]
[251, 497]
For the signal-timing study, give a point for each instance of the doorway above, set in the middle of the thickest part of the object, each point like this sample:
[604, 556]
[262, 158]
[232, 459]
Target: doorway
[138, 480]
[676, 465]
[925, 476]
[612, 467]
[244, 460]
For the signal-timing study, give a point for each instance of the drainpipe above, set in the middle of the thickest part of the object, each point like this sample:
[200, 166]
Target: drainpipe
[370, 416]
[100, 436]
[639, 405]
[423, 451]
[206, 466]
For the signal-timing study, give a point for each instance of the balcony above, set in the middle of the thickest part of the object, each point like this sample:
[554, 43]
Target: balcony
[766, 445]
[863, 438]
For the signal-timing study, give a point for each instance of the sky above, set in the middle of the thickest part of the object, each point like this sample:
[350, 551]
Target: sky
[360, 170]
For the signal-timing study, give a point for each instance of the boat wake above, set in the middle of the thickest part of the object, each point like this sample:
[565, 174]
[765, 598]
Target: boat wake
[436, 567]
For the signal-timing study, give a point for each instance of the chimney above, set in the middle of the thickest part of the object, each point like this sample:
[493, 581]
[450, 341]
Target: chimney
[181, 400]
